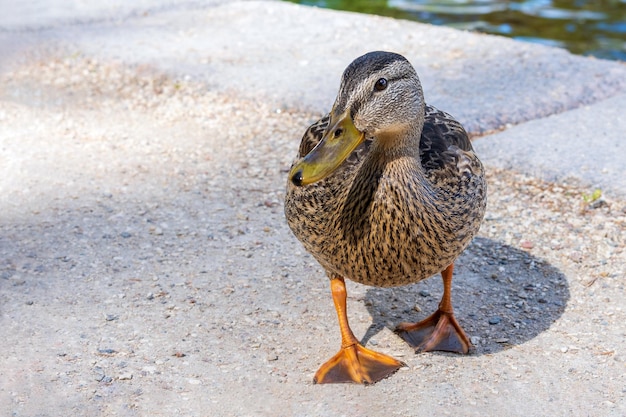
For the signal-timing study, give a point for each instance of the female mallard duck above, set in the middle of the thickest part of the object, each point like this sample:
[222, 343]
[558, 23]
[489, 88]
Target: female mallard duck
[386, 191]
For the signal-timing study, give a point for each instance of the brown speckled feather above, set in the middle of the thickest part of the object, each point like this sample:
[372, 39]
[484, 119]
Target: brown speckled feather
[392, 222]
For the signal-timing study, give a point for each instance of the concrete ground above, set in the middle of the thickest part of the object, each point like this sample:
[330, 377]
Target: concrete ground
[145, 264]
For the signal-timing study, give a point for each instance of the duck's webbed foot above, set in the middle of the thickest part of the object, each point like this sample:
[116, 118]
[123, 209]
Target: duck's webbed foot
[357, 364]
[440, 331]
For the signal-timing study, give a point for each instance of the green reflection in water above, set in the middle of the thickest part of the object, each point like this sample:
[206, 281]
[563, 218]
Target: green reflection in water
[583, 27]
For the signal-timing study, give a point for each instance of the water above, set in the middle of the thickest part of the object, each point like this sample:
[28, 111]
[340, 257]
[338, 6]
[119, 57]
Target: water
[595, 28]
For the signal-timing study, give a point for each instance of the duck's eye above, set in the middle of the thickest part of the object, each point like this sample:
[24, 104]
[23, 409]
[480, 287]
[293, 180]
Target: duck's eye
[381, 84]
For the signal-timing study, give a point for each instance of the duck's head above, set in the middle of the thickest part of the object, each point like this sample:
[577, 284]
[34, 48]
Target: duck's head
[380, 97]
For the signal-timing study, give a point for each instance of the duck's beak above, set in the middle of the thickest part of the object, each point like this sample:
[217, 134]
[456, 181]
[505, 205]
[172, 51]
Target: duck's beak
[338, 142]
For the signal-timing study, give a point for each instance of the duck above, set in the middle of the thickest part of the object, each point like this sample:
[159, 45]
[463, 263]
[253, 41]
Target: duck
[386, 190]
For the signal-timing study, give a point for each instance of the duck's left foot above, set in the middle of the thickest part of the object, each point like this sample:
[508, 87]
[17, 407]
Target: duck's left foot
[357, 364]
[440, 331]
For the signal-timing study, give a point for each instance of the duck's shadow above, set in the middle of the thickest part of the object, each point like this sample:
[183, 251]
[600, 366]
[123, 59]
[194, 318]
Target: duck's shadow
[502, 296]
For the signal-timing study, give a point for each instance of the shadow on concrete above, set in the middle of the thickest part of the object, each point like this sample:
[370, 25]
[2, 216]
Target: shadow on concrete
[502, 297]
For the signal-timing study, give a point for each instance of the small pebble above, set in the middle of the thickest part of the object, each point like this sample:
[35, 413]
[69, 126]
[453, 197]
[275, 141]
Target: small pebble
[99, 374]
[125, 235]
[424, 293]
[125, 376]
[526, 244]
[495, 320]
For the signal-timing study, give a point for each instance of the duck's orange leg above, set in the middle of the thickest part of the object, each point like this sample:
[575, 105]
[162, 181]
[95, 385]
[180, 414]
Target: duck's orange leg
[353, 363]
[440, 331]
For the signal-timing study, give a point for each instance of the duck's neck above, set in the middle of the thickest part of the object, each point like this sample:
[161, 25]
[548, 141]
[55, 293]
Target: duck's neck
[398, 158]
[401, 143]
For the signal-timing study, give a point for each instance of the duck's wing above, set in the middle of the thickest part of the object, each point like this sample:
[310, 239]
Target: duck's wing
[442, 137]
